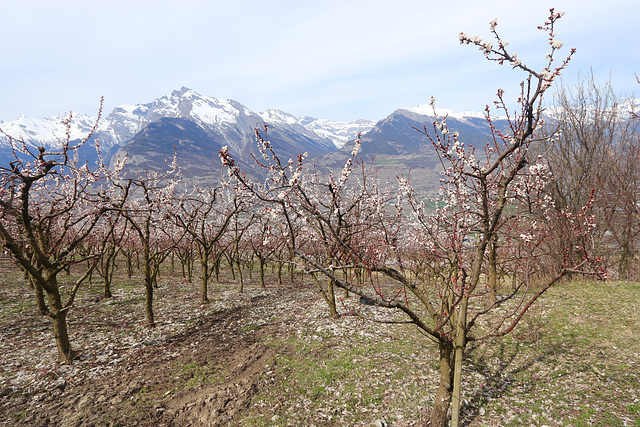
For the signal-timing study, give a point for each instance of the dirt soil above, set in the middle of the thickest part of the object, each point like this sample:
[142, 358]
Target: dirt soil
[203, 376]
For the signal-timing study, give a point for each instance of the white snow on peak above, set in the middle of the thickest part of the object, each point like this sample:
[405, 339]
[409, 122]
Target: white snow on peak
[127, 120]
[624, 109]
[188, 103]
[213, 110]
[50, 129]
[339, 132]
[277, 116]
[428, 110]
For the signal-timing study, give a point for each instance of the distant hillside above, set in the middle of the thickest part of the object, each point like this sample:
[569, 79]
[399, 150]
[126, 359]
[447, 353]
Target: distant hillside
[396, 148]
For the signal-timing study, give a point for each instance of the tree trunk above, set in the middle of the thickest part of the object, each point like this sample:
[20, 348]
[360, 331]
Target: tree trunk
[493, 273]
[460, 344]
[241, 287]
[204, 274]
[156, 274]
[148, 285]
[106, 269]
[333, 311]
[623, 265]
[128, 257]
[262, 263]
[107, 287]
[42, 306]
[59, 317]
[280, 264]
[443, 396]
[148, 303]
[233, 272]
[240, 274]
[216, 267]
[346, 279]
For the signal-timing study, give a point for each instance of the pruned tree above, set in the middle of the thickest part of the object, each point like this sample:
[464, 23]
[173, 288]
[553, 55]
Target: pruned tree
[237, 250]
[265, 240]
[204, 216]
[487, 200]
[106, 244]
[148, 196]
[50, 204]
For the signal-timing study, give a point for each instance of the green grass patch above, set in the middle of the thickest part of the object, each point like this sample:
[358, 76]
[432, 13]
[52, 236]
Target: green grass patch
[572, 361]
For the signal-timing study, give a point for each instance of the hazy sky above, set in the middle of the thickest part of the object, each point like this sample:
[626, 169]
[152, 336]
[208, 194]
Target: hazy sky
[339, 60]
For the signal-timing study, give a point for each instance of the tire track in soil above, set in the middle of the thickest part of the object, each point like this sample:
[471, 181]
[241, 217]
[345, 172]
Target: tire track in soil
[203, 376]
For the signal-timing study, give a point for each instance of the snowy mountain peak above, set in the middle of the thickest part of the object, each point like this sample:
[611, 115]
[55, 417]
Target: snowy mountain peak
[186, 103]
[624, 109]
[49, 130]
[211, 113]
[428, 110]
[183, 91]
[277, 116]
[339, 132]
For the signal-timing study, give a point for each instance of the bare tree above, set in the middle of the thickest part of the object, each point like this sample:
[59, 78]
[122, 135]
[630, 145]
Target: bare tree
[106, 245]
[597, 150]
[265, 241]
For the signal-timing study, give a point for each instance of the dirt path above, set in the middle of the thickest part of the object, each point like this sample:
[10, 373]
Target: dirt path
[203, 376]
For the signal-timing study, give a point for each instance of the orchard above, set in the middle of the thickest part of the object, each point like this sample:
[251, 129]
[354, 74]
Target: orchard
[305, 261]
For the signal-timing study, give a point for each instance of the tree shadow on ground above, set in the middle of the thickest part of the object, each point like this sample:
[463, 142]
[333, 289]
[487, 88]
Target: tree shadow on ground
[500, 369]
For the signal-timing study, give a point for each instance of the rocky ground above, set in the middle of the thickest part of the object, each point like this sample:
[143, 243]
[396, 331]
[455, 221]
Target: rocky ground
[114, 386]
[200, 365]
[272, 357]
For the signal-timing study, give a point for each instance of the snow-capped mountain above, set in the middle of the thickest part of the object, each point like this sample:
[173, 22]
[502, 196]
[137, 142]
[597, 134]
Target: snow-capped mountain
[395, 146]
[49, 130]
[464, 116]
[625, 108]
[339, 132]
[396, 134]
[227, 122]
[198, 126]
[290, 123]
[230, 119]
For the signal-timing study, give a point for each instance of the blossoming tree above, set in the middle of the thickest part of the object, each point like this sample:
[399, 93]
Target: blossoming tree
[50, 204]
[147, 196]
[493, 214]
[204, 216]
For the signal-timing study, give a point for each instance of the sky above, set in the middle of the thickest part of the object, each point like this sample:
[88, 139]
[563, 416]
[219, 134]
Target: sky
[338, 60]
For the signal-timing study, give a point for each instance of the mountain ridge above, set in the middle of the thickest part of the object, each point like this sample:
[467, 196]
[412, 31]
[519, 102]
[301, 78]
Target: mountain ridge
[197, 126]
[126, 120]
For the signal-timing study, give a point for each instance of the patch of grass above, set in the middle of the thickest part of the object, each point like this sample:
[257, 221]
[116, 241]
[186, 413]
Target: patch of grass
[192, 374]
[634, 408]
[343, 378]
[569, 363]
[250, 327]
[582, 359]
